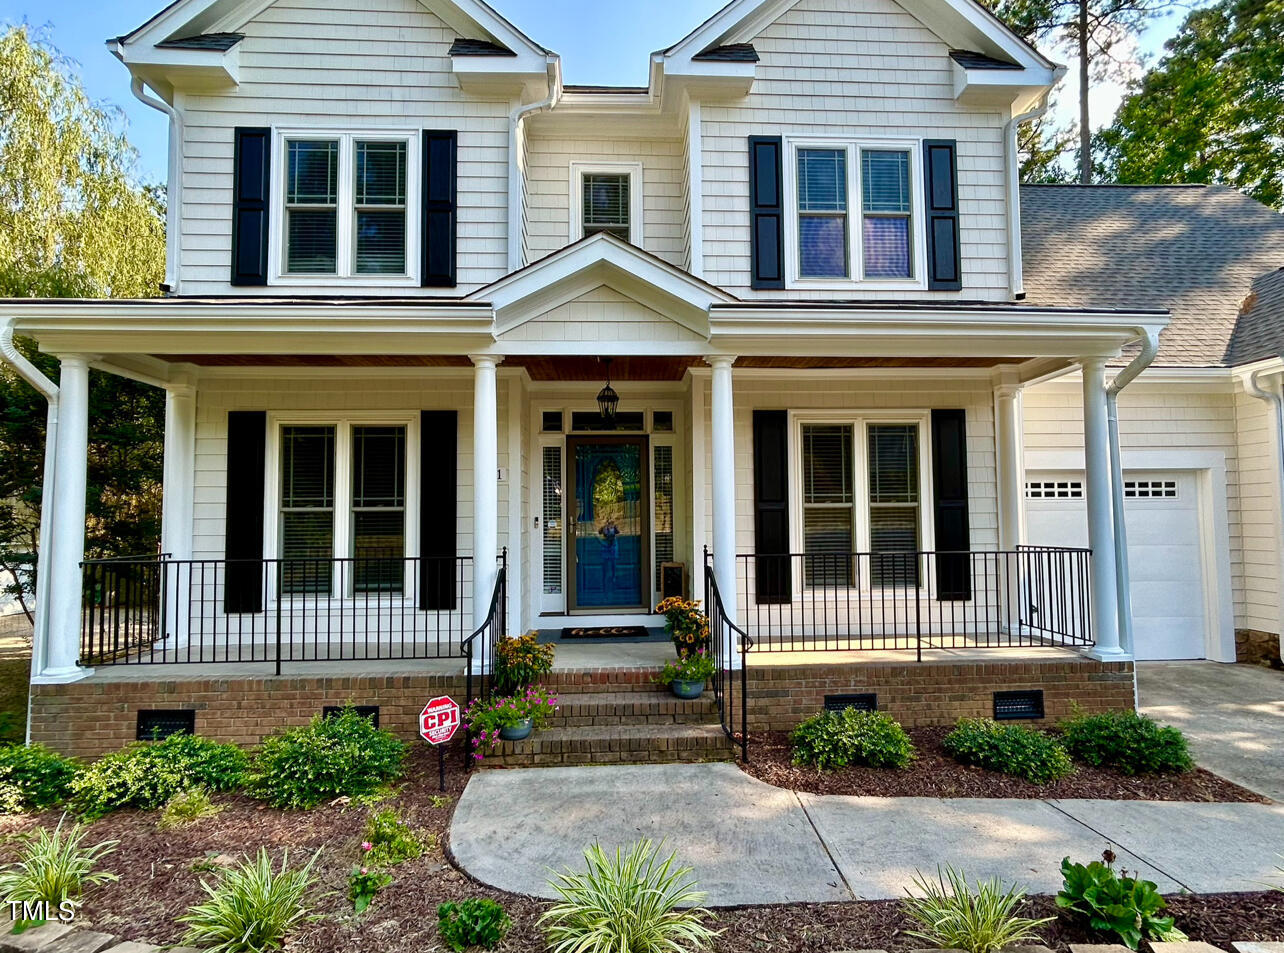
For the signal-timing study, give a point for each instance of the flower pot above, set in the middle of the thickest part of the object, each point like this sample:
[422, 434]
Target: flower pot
[518, 731]
[687, 688]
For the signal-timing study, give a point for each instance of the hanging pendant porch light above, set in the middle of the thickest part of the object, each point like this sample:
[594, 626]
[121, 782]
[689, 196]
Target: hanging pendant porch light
[607, 399]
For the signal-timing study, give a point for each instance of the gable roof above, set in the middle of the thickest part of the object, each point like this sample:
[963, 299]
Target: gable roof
[1259, 332]
[1193, 249]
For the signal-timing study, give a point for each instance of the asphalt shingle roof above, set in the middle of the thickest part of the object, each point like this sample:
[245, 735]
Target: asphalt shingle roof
[1259, 332]
[730, 53]
[467, 47]
[222, 42]
[970, 59]
[1193, 249]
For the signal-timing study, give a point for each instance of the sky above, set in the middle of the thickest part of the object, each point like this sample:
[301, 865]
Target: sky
[574, 28]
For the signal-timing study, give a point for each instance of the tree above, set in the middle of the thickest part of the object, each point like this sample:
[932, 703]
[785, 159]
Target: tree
[74, 222]
[1212, 109]
[1039, 149]
[1093, 30]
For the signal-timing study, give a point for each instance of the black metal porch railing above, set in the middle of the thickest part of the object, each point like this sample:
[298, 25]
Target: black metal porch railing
[156, 610]
[478, 649]
[726, 641]
[815, 602]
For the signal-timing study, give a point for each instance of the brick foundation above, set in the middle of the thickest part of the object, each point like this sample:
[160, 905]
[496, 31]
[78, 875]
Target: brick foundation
[1257, 648]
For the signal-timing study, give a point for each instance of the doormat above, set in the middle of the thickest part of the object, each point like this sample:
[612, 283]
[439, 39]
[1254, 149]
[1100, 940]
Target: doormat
[606, 632]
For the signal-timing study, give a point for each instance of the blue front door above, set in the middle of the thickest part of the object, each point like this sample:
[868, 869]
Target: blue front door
[610, 521]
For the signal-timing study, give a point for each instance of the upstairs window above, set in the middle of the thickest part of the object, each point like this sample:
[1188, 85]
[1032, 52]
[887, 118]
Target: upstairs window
[822, 213]
[346, 200]
[606, 198]
[886, 204]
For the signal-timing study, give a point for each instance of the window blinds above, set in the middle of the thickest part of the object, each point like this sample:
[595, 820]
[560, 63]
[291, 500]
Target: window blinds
[606, 204]
[311, 206]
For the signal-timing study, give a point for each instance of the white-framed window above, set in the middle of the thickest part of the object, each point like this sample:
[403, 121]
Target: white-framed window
[862, 481]
[340, 502]
[853, 214]
[606, 197]
[344, 207]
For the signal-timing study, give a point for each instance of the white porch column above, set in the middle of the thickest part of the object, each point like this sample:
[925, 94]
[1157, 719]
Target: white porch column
[1007, 440]
[724, 491]
[68, 531]
[177, 503]
[485, 485]
[1101, 536]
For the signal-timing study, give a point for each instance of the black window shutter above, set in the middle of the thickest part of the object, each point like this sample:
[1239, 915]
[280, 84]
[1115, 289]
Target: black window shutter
[243, 541]
[949, 490]
[438, 462]
[251, 188]
[771, 505]
[440, 157]
[940, 164]
[766, 213]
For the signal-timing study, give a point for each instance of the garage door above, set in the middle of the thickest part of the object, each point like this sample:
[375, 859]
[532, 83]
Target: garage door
[1164, 553]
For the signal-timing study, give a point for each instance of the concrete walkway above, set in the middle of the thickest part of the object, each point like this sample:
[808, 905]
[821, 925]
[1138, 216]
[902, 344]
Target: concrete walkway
[1232, 714]
[752, 843]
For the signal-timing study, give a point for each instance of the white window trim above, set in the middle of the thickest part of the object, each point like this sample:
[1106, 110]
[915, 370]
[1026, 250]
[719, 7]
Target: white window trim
[632, 169]
[345, 246]
[855, 223]
[859, 421]
[343, 422]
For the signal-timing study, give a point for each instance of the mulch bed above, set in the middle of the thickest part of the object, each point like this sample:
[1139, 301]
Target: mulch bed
[161, 871]
[936, 774]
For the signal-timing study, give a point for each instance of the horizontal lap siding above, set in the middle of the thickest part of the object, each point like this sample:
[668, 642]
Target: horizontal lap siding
[379, 64]
[548, 187]
[1259, 529]
[829, 67]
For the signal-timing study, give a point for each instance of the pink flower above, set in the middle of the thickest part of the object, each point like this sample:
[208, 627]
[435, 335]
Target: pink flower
[364, 871]
[367, 846]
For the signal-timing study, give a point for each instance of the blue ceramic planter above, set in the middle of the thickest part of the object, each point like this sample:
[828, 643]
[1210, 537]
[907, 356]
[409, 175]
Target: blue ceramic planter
[517, 732]
[687, 688]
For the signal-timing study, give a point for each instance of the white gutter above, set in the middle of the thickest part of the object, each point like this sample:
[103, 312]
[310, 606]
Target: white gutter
[1149, 347]
[1016, 273]
[173, 180]
[32, 375]
[515, 118]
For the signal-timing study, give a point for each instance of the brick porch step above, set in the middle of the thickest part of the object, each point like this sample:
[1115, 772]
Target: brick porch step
[568, 681]
[614, 744]
[633, 707]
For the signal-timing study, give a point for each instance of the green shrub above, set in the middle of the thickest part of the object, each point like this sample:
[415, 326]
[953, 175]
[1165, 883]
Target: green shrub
[342, 756]
[633, 901]
[521, 662]
[1123, 905]
[33, 778]
[188, 807]
[954, 916]
[836, 739]
[54, 867]
[1126, 741]
[146, 774]
[472, 922]
[390, 839]
[1018, 750]
[252, 908]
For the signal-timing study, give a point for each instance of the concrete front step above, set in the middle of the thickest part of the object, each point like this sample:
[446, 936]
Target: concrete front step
[614, 744]
[658, 707]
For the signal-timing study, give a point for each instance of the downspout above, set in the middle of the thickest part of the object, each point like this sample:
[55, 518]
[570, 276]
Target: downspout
[1149, 347]
[1016, 273]
[1254, 389]
[174, 180]
[514, 170]
[32, 375]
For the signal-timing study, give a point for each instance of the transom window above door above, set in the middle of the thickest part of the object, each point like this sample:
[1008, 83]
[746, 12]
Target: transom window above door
[606, 198]
[345, 201]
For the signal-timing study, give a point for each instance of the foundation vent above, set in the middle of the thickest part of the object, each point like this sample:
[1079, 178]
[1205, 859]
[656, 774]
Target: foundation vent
[1015, 706]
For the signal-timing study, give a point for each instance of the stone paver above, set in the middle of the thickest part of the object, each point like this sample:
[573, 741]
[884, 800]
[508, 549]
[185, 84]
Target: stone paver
[1098, 948]
[1184, 947]
[752, 843]
[1257, 946]
[80, 941]
[1232, 714]
[129, 946]
[37, 938]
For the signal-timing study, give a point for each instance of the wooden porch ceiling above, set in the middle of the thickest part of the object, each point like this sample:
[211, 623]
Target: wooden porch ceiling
[579, 367]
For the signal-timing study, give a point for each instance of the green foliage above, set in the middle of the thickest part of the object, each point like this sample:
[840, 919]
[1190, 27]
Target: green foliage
[951, 914]
[631, 901]
[188, 807]
[1126, 741]
[837, 739]
[363, 884]
[147, 774]
[1018, 750]
[472, 922]
[696, 666]
[390, 838]
[54, 866]
[1116, 903]
[1212, 108]
[345, 755]
[252, 908]
[33, 778]
[521, 662]
[486, 717]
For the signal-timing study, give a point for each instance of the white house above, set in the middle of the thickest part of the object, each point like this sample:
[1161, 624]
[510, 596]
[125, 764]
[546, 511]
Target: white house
[404, 262]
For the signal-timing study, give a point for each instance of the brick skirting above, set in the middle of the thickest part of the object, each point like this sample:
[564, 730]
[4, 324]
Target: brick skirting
[97, 715]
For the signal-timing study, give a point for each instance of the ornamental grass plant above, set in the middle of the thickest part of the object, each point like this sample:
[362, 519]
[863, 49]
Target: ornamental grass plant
[251, 908]
[55, 866]
[953, 914]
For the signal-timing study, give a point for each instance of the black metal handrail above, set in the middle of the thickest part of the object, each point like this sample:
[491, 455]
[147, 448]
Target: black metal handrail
[724, 637]
[481, 647]
[915, 600]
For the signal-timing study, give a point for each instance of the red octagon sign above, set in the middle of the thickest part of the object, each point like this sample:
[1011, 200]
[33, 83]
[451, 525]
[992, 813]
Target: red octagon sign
[439, 720]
